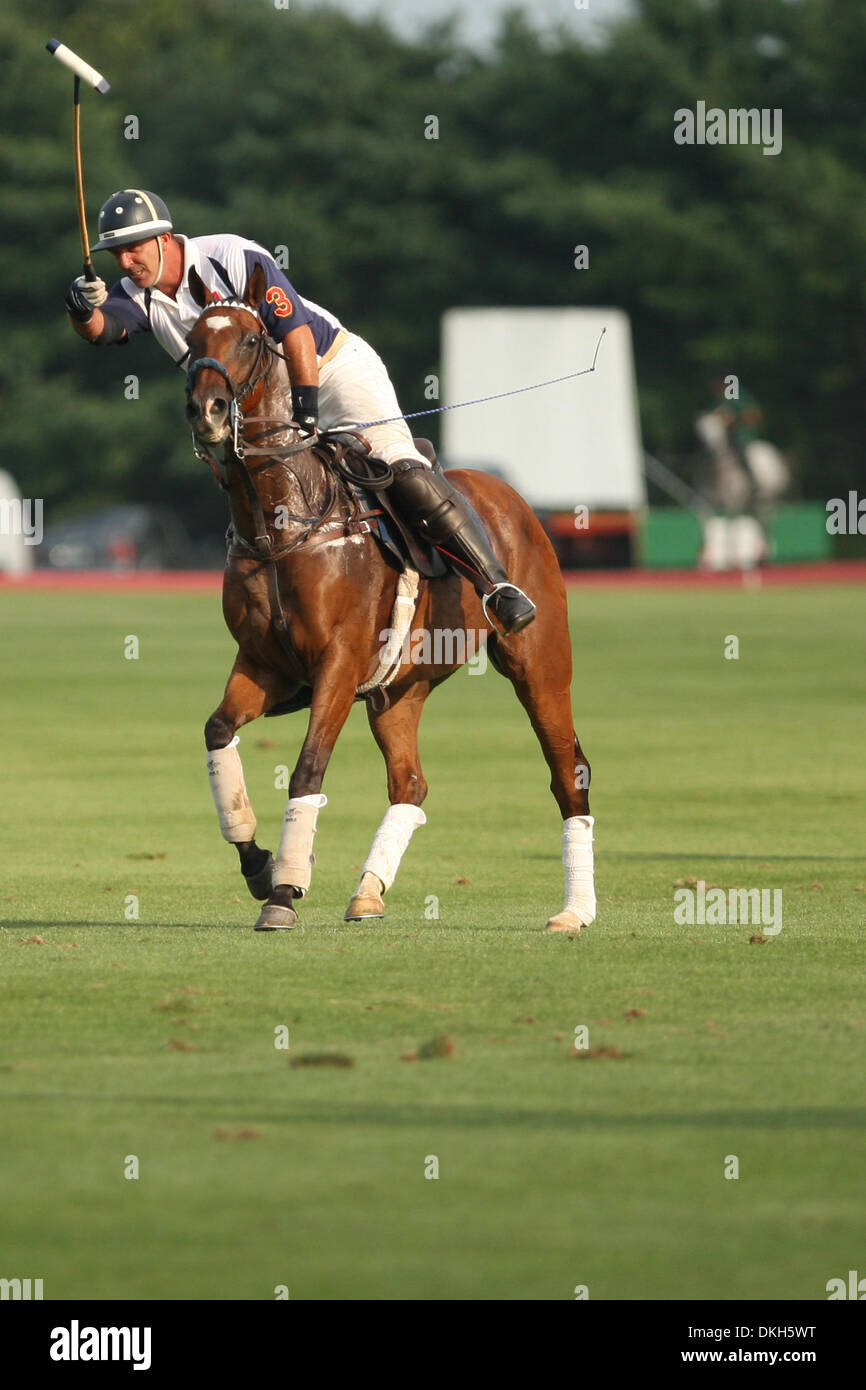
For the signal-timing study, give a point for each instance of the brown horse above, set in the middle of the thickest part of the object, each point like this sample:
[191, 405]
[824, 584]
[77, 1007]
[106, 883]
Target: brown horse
[309, 597]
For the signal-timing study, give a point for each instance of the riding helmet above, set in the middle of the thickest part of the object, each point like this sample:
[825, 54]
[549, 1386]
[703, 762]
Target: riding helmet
[131, 215]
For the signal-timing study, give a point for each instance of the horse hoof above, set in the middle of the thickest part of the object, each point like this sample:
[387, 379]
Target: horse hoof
[275, 918]
[568, 921]
[364, 905]
[261, 884]
[367, 901]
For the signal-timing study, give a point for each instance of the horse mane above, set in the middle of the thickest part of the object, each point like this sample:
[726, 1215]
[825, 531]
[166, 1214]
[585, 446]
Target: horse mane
[232, 303]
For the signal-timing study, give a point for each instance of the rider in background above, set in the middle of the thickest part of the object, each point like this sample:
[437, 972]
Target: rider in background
[742, 478]
[336, 377]
[740, 417]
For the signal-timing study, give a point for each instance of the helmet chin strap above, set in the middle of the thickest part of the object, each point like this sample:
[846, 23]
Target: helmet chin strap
[161, 264]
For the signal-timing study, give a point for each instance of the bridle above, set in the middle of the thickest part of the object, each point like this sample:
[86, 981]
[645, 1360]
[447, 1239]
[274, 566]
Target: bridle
[238, 420]
[260, 371]
[262, 546]
[238, 394]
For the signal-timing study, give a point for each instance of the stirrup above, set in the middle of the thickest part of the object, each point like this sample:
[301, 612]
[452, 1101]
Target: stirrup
[497, 588]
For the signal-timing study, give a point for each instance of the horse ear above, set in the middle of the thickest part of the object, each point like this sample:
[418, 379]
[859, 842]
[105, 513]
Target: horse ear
[256, 286]
[198, 289]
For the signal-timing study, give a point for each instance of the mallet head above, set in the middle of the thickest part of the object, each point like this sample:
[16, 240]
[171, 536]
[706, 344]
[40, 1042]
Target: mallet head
[78, 65]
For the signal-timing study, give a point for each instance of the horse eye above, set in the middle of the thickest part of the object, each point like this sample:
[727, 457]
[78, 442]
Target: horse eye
[251, 339]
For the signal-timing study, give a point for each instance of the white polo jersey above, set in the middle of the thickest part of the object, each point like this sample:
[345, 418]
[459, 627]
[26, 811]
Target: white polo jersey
[354, 386]
[225, 264]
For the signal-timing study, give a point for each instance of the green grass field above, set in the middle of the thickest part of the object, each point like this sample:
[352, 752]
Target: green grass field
[155, 1037]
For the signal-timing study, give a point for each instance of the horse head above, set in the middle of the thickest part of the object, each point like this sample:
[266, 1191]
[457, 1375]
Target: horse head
[229, 357]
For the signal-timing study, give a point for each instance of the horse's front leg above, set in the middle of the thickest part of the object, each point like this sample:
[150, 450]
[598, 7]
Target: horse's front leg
[333, 694]
[249, 692]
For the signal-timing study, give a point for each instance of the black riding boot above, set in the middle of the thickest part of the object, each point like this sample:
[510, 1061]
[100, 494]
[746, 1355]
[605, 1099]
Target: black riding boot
[428, 503]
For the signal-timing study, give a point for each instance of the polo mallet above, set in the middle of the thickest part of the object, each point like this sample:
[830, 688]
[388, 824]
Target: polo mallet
[93, 79]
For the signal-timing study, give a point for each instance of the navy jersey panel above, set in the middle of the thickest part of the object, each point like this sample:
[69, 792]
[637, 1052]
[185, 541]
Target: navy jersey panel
[282, 308]
[120, 306]
[224, 276]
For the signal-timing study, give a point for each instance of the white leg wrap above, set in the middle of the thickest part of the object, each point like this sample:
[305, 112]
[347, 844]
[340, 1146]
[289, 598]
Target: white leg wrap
[226, 774]
[294, 861]
[391, 841]
[578, 864]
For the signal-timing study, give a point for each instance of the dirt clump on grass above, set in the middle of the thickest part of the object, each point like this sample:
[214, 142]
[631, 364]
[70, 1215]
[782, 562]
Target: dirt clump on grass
[322, 1059]
[443, 1045]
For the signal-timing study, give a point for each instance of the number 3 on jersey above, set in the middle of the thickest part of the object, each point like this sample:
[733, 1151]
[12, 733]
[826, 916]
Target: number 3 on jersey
[281, 302]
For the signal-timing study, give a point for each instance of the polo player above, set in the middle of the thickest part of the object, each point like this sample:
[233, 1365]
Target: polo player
[337, 378]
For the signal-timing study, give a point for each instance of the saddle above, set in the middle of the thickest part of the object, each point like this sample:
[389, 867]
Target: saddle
[348, 454]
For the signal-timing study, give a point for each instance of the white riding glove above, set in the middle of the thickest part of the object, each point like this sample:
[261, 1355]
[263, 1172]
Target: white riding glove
[95, 292]
[83, 296]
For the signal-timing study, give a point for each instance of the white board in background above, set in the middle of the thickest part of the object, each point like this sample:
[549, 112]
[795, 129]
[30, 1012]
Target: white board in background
[578, 442]
[16, 556]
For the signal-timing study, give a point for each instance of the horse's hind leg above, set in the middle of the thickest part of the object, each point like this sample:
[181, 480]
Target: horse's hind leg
[395, 730]
[249, 692]
[548, 705]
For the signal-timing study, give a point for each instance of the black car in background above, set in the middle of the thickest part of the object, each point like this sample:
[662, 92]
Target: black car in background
[134, 537]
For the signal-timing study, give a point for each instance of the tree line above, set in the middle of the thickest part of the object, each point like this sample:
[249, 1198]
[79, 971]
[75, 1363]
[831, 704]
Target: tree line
[308, 130]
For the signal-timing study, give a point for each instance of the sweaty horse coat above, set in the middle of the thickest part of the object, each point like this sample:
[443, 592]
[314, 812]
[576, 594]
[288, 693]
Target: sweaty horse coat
[337, 594]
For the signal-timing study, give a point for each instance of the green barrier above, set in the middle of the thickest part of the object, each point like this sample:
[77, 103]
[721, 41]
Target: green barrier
[799, 532]
[671, 537]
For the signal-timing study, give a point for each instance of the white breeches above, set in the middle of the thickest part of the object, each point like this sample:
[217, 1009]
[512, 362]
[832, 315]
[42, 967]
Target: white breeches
[355, 387]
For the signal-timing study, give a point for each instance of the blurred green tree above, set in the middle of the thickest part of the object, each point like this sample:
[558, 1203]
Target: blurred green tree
[306, 129]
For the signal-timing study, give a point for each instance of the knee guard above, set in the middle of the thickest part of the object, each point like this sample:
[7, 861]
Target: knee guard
[427, 500]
